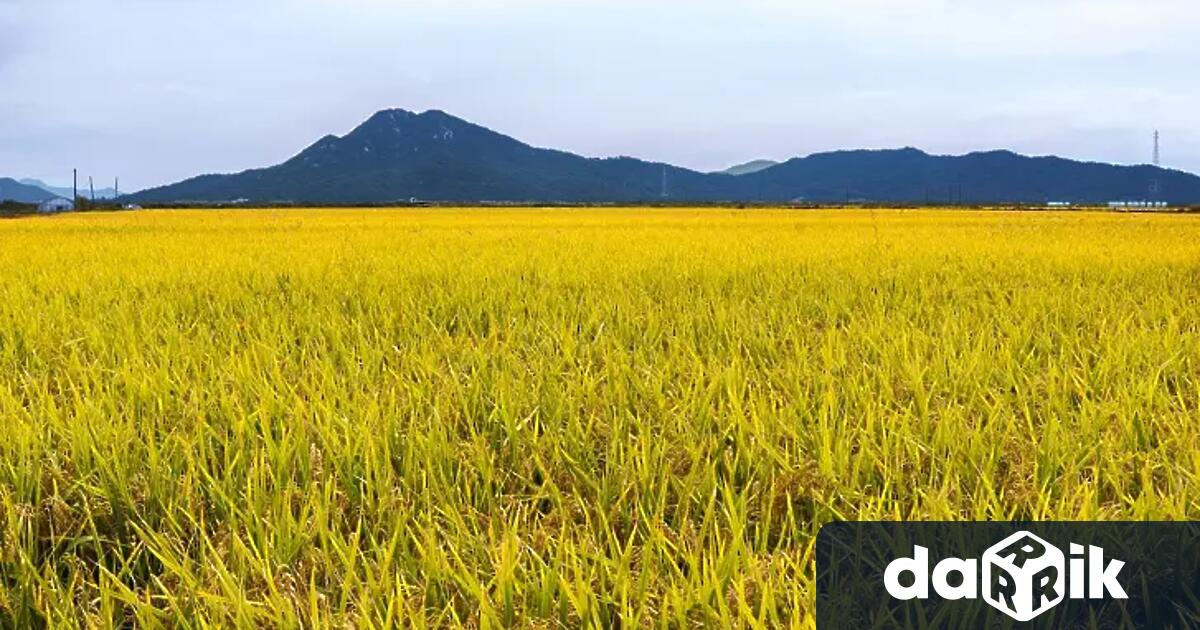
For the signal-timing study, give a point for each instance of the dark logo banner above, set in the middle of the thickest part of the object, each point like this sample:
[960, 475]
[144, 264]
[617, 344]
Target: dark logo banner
[1008, 575]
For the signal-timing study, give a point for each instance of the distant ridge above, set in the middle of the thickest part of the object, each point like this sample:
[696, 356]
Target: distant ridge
[397, 155]
[65, 191]
[12, 190]
[749, 167]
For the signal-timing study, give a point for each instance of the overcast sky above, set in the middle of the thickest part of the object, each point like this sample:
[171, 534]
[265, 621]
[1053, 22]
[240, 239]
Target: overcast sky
[160, 90]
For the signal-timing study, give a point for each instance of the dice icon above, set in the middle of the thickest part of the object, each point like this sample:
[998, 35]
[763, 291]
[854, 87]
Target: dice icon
[1023, 576]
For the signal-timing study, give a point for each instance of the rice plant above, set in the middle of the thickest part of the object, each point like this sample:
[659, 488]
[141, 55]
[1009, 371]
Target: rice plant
[562, 418]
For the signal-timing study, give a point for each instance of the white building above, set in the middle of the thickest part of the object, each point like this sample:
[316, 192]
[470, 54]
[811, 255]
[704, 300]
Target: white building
[1123, 205]
[57, 204]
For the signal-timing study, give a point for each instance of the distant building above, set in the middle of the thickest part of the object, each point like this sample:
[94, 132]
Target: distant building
[1122, 205]
[57, 204]
[1059, 204]
[132, 206]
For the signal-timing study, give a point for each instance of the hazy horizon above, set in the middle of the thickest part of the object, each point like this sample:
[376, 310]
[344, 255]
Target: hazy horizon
[158, 91]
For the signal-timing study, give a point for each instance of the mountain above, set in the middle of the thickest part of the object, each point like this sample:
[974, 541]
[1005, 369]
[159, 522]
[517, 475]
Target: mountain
[398, 155]
[913, 176]
[65, 191]
[12, 190]
[749, 167]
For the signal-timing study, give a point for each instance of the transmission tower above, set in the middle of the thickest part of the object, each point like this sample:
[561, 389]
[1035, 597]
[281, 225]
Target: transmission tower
[1155, 186]
[664, 181]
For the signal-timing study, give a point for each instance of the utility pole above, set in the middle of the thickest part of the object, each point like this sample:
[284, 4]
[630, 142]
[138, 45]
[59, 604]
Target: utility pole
[74, 184]
[92, 188]
[116, 187]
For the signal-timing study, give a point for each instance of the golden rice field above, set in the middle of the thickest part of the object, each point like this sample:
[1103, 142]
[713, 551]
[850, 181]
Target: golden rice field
[562, 418]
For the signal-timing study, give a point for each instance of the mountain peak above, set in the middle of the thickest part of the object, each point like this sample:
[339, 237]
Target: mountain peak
[392, 114]
[391, 124]
[382, 120]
